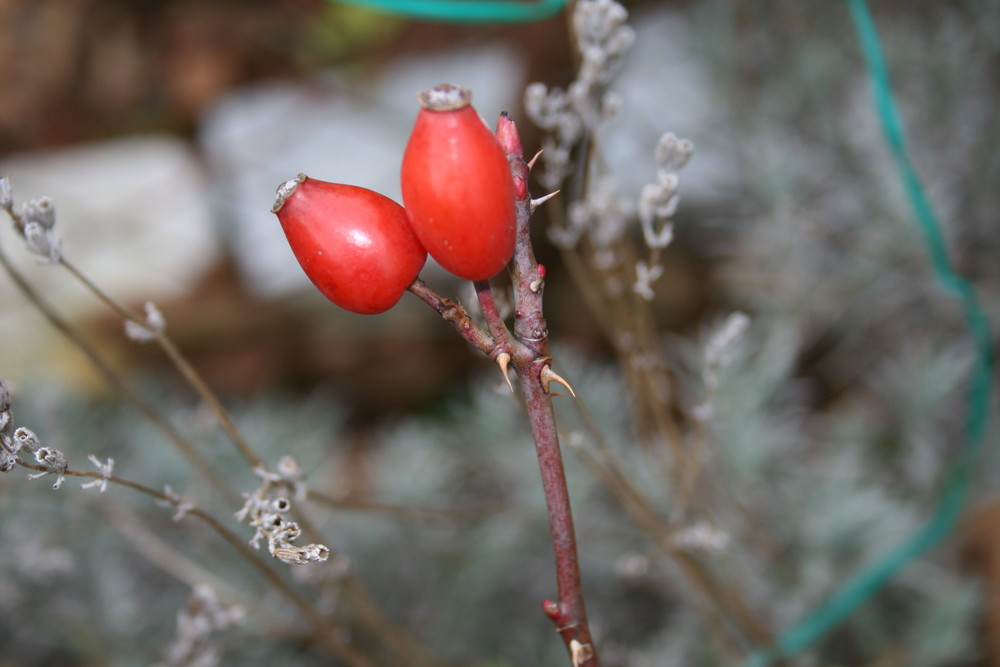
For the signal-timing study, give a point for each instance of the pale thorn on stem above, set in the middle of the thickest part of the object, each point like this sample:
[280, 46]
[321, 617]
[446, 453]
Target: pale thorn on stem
[535, 203]
[503, 359]
[548, 376]
[532, 161]
[580, 653]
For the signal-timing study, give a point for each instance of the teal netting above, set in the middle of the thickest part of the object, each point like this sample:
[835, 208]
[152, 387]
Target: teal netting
[858, 590]
[467, 11]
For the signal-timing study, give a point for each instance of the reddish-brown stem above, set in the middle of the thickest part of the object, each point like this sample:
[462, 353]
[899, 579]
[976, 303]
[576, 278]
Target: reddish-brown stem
[568, 614]
[484, 292]
[528, 349]
[455, 315]
[527, 275]
[530, 357]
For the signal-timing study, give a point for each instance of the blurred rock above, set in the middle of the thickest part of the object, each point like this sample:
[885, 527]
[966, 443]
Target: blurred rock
[133, 215]
[665, 88]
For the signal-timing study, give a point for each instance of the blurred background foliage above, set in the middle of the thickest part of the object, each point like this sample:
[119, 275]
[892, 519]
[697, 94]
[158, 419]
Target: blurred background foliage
[832, 424]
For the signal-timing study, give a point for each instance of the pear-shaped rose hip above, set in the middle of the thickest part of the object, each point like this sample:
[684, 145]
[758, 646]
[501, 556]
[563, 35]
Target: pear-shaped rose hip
[355, 245]
[457, 186]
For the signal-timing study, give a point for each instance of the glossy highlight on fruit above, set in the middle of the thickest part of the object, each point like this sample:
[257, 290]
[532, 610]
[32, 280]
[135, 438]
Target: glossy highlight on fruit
[355, 245]
[457, 187]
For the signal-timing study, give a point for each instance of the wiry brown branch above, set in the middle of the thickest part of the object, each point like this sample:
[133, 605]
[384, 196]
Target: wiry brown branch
[325, 633]
[184, 367]
[174, 436]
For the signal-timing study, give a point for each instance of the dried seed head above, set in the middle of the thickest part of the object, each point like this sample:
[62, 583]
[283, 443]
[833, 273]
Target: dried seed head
[25, 439]
[725, 338]
[645, 276]
[203, 616]
[6, 417]
[41, 210]
[301, 555]
[701, 536]
[281, 505]
[43, 242]
[52, 459]
[672, 153]
[7, 460]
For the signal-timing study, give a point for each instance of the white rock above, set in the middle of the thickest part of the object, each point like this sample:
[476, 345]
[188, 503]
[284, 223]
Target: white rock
[133, 215]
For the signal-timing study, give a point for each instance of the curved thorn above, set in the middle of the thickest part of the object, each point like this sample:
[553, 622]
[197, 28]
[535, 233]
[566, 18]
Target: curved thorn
[532, 161]
[548, 376]
[535, 203]
[503, 359]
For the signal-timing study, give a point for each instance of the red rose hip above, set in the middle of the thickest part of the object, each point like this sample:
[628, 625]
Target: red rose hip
[355, 245]
[457, 187]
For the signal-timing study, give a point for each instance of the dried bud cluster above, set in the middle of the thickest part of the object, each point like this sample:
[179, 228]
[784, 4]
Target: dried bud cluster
[7, 452]
[203, 618]
[701, 536]
[716, 353]
[553, 111]
[36, 223]
[603, 214]
[571, 116]
[38, 218]
[658, 202]
[603, 40]
[265, 510]
[659, 199]
[101, 484]
[14, 441]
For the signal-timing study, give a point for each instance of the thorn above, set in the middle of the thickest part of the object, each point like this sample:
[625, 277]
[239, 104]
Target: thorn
[580, 653]
[537, 283]
[504, 359]
[531, 163]
[548, 376]
[535, 203]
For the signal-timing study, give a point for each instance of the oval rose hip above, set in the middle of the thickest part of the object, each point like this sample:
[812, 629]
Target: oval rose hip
[457, 186]
[355, 245]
